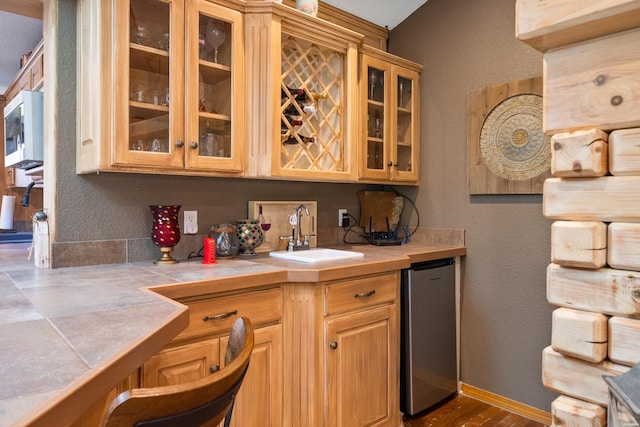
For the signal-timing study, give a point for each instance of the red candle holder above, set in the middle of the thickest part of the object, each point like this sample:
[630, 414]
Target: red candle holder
[166, 231]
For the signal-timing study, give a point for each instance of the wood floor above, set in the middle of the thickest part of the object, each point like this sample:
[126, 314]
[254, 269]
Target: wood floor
[464, 411]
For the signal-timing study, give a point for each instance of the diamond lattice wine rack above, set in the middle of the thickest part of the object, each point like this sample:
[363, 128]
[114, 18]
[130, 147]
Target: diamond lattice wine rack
[311, 107]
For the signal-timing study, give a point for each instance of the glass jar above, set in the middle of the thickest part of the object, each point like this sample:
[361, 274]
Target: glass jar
[227, 243]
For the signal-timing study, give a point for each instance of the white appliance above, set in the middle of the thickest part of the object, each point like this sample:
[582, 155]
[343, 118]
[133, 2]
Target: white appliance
[23, 131]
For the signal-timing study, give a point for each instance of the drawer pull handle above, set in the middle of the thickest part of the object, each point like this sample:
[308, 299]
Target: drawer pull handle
[220, 316]
[635, 294]
[364, 294]
[333, 345]
[214, 368]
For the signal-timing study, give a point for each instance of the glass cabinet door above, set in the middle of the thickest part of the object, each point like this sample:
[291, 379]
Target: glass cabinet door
[376, 118]
[148, 39]
[404, 157]
[375, 82]
[213, 71]
[389, 126]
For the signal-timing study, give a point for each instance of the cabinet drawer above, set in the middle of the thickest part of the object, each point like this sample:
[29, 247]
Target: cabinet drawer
[593, 84]
[360, 293]
[216, 315]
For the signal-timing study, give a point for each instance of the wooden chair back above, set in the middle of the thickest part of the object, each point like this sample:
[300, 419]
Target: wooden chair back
[206, 401]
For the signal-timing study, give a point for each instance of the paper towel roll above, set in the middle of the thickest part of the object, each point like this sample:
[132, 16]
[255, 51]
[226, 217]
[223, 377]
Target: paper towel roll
[6, 212]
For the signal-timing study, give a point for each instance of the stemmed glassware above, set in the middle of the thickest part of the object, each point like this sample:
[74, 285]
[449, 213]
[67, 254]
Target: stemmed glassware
[264, 221]
[216, 35]
[373, 81]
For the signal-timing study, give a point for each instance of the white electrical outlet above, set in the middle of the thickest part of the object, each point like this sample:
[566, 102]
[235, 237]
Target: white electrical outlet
[190, 222]
[341, 214]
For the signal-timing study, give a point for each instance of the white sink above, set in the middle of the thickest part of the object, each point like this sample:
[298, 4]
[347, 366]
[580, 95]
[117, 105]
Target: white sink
[316, 255]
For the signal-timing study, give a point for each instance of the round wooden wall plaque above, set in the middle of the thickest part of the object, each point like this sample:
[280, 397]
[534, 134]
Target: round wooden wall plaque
[512, 142]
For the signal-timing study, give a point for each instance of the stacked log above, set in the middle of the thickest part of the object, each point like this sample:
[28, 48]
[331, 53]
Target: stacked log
[594, 275]
[592, 113]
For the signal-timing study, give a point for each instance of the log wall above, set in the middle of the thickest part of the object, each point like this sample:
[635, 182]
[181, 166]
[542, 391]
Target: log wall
[591, 99]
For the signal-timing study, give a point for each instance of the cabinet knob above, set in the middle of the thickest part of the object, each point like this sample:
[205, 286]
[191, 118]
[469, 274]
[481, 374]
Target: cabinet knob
[193, 145]
[389, 163]
[179, 144]
[214, 368]
[333, 345]
[395, 164]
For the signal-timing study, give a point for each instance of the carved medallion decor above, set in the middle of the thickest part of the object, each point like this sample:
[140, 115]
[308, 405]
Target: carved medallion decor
[508, 151]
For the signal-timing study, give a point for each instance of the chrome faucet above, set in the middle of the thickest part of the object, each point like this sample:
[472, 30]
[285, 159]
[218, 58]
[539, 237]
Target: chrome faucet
[299, 228]
[296, 240]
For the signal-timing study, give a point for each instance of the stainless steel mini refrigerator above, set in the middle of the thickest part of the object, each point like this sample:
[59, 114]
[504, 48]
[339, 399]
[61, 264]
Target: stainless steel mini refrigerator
[428, 342]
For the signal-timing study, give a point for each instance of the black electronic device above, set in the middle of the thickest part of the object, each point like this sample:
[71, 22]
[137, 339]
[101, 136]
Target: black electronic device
[386, 242]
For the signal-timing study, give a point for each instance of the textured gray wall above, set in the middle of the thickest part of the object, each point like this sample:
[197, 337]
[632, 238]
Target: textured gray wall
[506, 321]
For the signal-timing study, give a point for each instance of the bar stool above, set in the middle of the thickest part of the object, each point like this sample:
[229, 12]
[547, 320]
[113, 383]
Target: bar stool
[207, 400]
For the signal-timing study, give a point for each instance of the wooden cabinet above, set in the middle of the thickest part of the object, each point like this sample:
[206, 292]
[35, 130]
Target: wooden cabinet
[31, 75]
[389, 119]
[362, 352]
[342, 352]
[199, 350]
[171, 88]
[302, 92]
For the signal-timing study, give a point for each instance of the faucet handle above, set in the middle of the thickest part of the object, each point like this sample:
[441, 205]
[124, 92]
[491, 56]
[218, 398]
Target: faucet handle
[290, 244]
[307, 237]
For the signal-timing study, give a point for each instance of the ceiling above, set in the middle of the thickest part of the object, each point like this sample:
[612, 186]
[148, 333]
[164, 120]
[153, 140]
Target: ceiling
[20, 34]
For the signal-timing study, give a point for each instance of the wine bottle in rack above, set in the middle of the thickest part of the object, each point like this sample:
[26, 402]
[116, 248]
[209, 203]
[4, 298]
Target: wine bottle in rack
[292, 140]
[298, 94]
[292, 121]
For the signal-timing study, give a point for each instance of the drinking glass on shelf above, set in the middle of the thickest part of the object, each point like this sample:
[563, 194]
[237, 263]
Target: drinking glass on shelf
[216, 35]
[373, 81]
[140, 35]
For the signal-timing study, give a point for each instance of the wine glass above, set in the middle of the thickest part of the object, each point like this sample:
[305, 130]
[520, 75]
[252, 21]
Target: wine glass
[373, 81]
[216, 35]
[265, 224]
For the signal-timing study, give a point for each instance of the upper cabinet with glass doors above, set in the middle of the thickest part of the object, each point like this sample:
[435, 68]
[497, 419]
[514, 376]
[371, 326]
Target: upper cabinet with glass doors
[175, 90]
[302, 79]
[389, 123]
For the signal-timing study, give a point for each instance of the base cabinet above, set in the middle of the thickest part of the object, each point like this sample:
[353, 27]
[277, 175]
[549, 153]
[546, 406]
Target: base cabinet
[342, 352]
[361, 368]
[330, 350]
[259, 401]
[199, 350]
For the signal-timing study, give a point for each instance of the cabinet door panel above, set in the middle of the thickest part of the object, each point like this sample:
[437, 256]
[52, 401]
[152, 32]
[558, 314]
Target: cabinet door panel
[181, 364]
[259, 402]
[214, 78]
[148, 95]
[405, 125]
[362, 386]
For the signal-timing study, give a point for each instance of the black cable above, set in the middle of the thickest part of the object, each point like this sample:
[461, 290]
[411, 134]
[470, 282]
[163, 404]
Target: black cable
[349, 229]
[415, 208]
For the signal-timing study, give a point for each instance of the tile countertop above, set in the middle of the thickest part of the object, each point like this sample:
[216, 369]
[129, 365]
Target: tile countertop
[69, 335]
